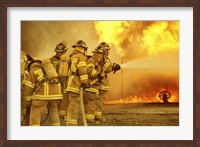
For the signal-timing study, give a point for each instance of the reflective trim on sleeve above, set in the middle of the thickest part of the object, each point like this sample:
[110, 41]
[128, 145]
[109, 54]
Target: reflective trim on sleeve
[29, 84]
[84, 77]
[81, 64]
[105, 88]
[90, 65]
[94, 72]
[106, 66]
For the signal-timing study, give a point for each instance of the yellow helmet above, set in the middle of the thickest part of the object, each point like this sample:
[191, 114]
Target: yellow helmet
[99, 49]
[80, 43]
[61, 47]
[105, 45]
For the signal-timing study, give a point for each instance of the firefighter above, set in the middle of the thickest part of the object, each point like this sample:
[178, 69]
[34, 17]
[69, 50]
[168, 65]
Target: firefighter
[107, 67]
[91, 94]
[77, 77]
[43, 89]
[60, 62]
[25, 60]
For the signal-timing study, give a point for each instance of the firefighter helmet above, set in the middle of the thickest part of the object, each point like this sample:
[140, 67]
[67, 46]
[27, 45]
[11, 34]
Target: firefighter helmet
[61, 47]
[80, 43]
[105, 45]
[99, 49]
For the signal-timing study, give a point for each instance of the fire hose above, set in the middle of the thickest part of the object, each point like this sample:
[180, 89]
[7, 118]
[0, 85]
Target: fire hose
[82, 107]
[82, 104]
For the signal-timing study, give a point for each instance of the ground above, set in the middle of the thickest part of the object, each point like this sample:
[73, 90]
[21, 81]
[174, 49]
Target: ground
[146, 114]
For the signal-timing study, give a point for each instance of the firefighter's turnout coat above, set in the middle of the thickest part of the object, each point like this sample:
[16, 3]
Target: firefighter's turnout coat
[103, 88]
[78, 72]
[92, 93]
[38, 88]
[78, 75]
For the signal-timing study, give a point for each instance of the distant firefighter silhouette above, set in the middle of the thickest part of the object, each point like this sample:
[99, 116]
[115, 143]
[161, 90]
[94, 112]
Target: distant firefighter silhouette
[165, 95]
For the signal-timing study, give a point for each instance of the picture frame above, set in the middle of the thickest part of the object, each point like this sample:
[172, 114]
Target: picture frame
[92, 3]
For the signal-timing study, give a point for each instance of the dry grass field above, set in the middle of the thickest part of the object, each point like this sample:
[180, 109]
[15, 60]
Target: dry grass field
[141, 114]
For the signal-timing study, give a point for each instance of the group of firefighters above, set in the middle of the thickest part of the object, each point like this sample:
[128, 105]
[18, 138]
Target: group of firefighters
[60, 82]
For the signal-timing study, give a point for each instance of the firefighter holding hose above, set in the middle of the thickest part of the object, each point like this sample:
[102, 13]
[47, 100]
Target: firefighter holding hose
[92, 93]
[78, 78]
[107, 67]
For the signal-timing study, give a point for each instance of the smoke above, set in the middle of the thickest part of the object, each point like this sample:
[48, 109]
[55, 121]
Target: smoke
[39, 38]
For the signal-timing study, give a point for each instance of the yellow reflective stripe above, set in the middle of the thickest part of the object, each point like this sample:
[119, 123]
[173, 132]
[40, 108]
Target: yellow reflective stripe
[59, 88]
[74, 59]
[70, 80]
[48, 97]
[62, 112]
[39, 73]
[28, 98]
[106, 66]
[45, 88]
[81, 64]
[83, 77]
[29, 84]
[92, 90]
[71, 121]
[35, 125]
[73, 66]
[105, 87]
[72, 89]
[98, 113]
[90, 65]
[94, 72]
[89, 116]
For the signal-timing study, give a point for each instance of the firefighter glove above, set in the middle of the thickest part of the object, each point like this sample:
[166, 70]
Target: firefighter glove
[99, 77]
[85, 85]
[116, 67]
[55, 80]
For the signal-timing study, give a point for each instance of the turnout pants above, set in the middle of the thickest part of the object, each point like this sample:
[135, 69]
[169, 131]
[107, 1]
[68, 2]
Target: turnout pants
[38, 107]
[72, 109]
[99, 105]
[90, 103]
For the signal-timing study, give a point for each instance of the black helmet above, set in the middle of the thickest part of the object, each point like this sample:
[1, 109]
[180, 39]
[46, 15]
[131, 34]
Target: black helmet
[99, 49]
[61, 47]
[105, 45]
[80, 43]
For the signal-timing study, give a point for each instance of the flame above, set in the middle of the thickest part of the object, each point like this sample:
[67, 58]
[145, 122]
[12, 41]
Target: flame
[161, 37]
[110, 32]
[139, 38]
[143, 99]
[143, 40]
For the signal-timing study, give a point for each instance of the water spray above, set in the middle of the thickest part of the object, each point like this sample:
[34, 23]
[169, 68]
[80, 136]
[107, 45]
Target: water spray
[156, 63]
